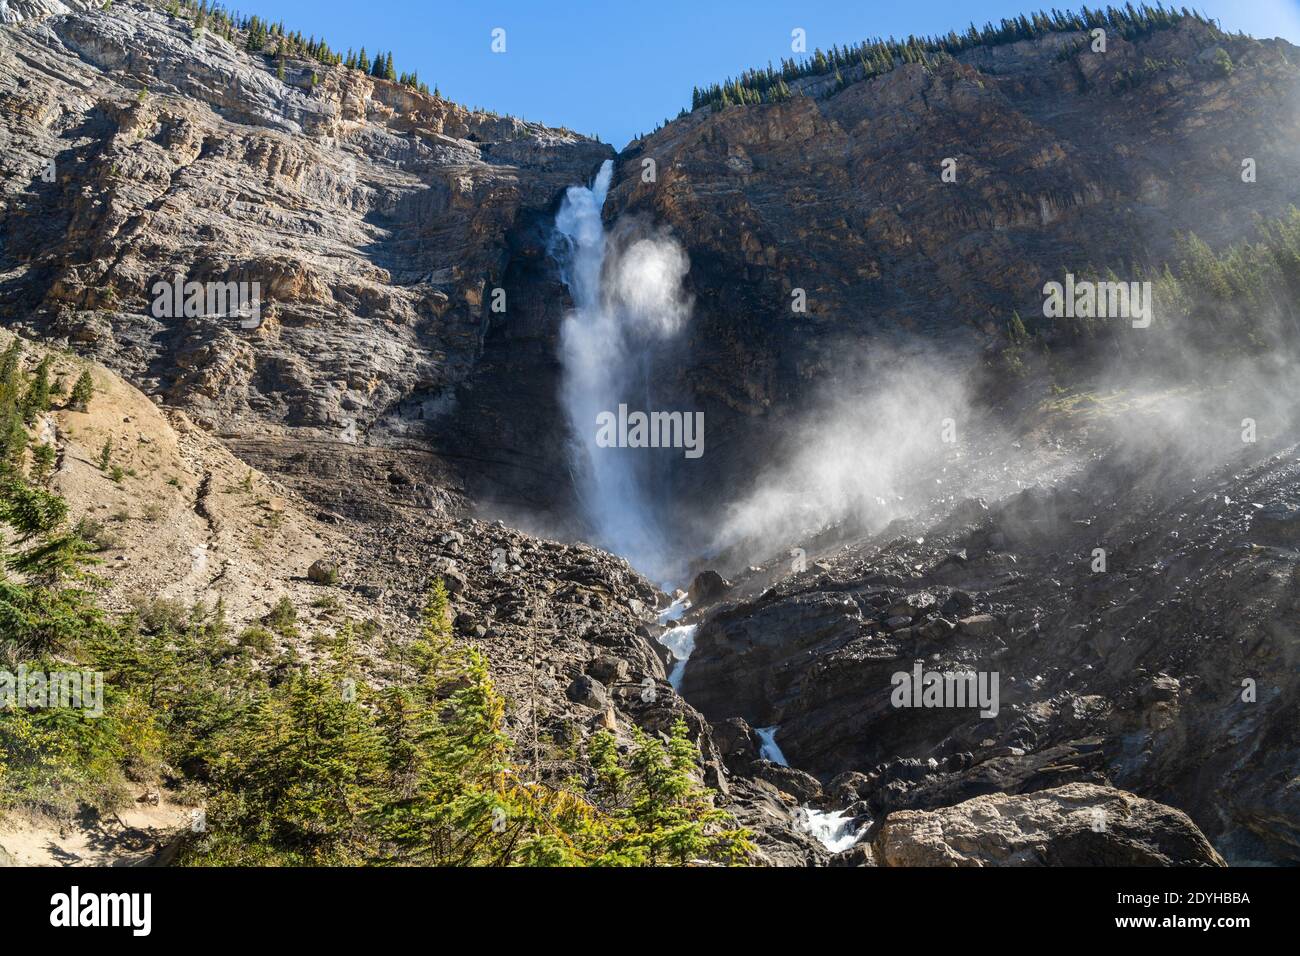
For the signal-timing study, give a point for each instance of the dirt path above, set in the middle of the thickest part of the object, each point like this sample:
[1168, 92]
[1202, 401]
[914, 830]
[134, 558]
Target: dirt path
[140, 835]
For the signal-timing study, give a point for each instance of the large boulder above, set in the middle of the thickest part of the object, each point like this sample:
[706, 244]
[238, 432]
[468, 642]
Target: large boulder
[1080, 824]
[587, 691]
[323, 572]
[707, 587]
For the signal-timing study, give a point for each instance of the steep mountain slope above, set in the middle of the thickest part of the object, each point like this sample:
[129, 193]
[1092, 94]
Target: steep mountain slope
[176, 521]
[379, 220]
[376, 219]
[1062, 161]
[1169, 670]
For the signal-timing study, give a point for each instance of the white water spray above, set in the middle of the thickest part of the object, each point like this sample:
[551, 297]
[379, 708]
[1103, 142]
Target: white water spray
[680, 642]
[628, 298]
[833, 829]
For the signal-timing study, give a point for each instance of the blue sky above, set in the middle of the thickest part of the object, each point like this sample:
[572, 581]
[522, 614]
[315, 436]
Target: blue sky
[617, 68]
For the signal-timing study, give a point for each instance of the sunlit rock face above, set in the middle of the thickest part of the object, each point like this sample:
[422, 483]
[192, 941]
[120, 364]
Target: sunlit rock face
[380, 221]
[377, 221]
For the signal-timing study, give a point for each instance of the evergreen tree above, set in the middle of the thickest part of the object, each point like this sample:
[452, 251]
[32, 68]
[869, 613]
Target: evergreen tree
[38, 393]
[294, 783]
[256, 36]
[42, 463]
[879, 56]
[1016, 333]
[82, 392]
[667, 817]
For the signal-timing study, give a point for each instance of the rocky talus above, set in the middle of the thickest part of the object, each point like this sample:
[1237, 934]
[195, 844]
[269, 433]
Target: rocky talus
[1169, 672]
[1076, 825]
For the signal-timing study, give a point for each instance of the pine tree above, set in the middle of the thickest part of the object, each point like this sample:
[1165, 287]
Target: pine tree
[42, 463]
[10, 363]
[1016, 333]
[13, 433]
[38, 393]
[295, 782]
[256, 36]
[664, 815]
[48, 551]
[82, 392]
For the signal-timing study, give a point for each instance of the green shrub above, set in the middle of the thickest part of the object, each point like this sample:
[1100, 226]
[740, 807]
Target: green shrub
[258, 639]
[282, 617]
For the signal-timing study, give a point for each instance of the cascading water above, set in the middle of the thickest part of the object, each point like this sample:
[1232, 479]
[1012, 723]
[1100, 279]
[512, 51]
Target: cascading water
[833, 829]
[628, 301]
[679, 639]
[769, 749]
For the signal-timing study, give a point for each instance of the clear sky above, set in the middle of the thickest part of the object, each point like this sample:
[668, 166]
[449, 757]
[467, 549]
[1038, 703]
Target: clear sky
[617, 68]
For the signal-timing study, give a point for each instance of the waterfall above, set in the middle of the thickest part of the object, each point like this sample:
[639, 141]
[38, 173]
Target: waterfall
[768, 748]
[628, 302]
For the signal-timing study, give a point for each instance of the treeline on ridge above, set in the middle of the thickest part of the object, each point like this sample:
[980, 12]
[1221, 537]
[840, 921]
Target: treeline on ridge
[874, 57]
[272, 39]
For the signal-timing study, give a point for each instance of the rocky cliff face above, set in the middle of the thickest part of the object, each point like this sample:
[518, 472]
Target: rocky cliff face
[1164, 675]
[377, 220]
[1064, 158]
